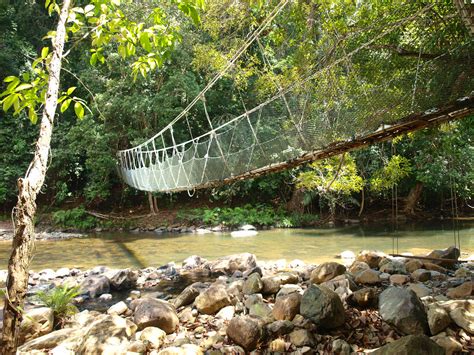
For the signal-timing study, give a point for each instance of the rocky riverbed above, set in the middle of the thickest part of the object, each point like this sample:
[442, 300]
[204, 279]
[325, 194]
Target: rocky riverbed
[237, 305]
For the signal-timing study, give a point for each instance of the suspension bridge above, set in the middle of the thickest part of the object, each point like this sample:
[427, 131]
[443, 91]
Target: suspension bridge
[315, 117]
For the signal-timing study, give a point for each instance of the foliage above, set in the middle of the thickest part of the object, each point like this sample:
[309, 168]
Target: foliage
[76, 218]
[391, 174]
[59, 300]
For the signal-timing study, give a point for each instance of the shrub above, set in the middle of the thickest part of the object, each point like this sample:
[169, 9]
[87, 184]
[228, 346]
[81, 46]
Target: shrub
[59, 300]
[74, 218]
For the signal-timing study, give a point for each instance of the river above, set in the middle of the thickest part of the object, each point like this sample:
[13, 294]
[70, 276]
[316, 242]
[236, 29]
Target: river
[138, 250]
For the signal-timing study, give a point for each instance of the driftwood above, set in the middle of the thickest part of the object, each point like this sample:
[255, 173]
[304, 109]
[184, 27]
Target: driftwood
[108, 216]
[428, 258]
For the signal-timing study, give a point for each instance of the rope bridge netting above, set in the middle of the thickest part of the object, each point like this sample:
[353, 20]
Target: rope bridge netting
[350, 94]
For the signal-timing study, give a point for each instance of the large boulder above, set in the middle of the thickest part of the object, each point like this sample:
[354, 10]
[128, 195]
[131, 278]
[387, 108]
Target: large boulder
[323, 307]
[326, 272]
[123, 280]
[272, 284]
[189, 294]
[36, 322]
[462, 291]
[451, 253]
[151, 312]
[95, 285]
[409, 345]
[371, 258]
[212, 300]
[253, 284]
[393, 267]
[231, 263]
[287, 306]
[438, 319]
[464, 319]
[72, 336]
[368, 277]
[109, 334]
[404, 310]
[245, 331]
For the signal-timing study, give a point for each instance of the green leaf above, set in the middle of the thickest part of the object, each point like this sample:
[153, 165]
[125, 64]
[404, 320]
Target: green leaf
[145, 41]
[32, 115]
[93, 59]
[71, 90]
[10, 78]
[23, 87]
[44, 52]
[65, 105]
[8, 101]
[79, 110]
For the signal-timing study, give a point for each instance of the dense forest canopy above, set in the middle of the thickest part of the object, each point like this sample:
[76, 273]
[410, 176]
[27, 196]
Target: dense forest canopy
[307, 35]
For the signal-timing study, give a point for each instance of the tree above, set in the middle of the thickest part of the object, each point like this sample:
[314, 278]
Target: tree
[111, 29]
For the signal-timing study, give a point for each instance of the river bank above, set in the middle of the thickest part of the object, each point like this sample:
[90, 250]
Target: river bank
[238, 304]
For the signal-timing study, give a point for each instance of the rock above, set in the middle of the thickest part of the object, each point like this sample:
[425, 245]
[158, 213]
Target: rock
[107, 335]
[185, 349]
[421, 275]
[36, 322]
[189, 294]
[277, 346]
[272, 284]
[47, 274]
[226, 313]
[358, 266]
[371, 258]
[323, 307]
[341, 347]
[438, 319]
[364, 297]
[448, 343]
[192, 262]
[449, 253]
[409, 345]
[63, 272]
[462, 272]
[136, 347]
[434, 267]
[186, 315]
[404, 310]
[72, 336]
[210, 341]
[234, 289]
[105, 297]
[343, 285]
[286, 307]
[420, 289]
[253, 284]
[150, 312]
[153, 337]
[393, 267]
[279, 328]
[123, 280]
[212, 300]
[245, 331]
[462, 291]
[260, 309]
[463, 319]
[289, 288]
[398, 279]
[412, 265]
[347, 257]
[370, 277]
[118, 308]
[95, 285]
[301, 337]
[248, 272]
[231, 263]
[327, 271]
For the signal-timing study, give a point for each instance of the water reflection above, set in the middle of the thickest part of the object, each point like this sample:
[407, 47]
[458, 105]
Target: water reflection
[311, 245]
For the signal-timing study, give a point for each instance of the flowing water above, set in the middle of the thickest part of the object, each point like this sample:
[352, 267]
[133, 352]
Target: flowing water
[125, 249]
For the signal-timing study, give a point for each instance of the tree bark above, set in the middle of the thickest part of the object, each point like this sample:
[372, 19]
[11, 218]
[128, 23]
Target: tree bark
[413, 198]
[28, 188]
[151, 203]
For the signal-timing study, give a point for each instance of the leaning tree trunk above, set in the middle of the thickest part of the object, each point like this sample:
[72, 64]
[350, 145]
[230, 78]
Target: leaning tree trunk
[413, 198]
[28, 188]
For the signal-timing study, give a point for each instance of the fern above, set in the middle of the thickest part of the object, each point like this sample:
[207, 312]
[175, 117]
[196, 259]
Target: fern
[59, 300]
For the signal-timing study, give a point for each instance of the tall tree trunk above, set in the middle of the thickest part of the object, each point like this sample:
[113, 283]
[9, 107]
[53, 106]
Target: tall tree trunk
[413, 198]
[151, 203]
[28, 188]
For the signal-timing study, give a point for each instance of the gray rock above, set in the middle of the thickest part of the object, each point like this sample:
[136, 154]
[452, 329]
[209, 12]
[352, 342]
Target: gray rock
[73, 336]
[421, 275]
[189, 294]
[464, 319]
[231, 263]
[398, 279]
[420, 289]
[326, 272]
[323, 307]
[212, 300]
[272, 284]
[150, 312]
[279, 328]
[438, 319]
[341, 347]
[123, 280]
[358, 266]
[35, 323]
[95, 285]
[245, 331]
[448, 343]
[409, 345]
[393, 267]
[253, 284]
[286, 307]
[449, 253]
[301, 337]
[404, 310]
